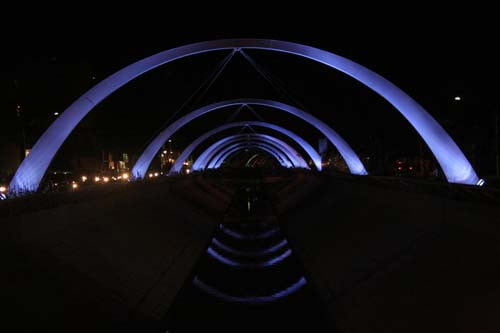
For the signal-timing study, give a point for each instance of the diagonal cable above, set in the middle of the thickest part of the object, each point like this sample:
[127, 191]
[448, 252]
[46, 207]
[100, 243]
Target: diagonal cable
[254, 112]
[234, 114]
[252, 129]
[217, 74]
[274, 82]
[208, 83]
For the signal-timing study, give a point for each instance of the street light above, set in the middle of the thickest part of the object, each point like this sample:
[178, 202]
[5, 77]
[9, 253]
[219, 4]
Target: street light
[458, 98]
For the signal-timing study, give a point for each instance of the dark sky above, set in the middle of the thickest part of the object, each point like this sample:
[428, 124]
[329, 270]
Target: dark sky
[433, 59]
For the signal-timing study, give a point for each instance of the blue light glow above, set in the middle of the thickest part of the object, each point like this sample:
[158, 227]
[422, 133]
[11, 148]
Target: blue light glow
[293, 156]
[202, 161]
[251, 300]
[273, 151]
[219, 154]
[230, 262]
[454, 164]
[353, 162]
[263, 252]
[237, 235]
[213, 156]
[301, 142]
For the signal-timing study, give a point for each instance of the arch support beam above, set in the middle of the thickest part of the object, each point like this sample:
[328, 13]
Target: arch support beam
[315, 157]
[207, 157]
[454, 164]
[234, 148]
[352, 160]
[220, 157]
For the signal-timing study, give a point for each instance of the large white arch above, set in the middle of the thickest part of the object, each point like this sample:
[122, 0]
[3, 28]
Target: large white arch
[235, 147]
[295, 159]
[232, 149]
[217, 149]
[207, 156]
[352, 160]
[270, 148]
[176, 167]
[454, 164]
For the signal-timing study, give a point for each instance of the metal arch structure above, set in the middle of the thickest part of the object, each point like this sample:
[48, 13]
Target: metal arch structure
[453, 162]
[239, 150]
[289, 154]
[280, 155]
[218, 158]
[352, 160]
[274, 152]
[233, 149]
[315, 157]
[207, 156]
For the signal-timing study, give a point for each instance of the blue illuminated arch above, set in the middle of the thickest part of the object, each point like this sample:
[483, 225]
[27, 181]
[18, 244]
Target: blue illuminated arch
[221, 156]
[291, 153]
[250, 300]
[235, 147]
[454, 164]
[288, 152]
[273, 151]
[278, 155]
[176, 167]
[352, 160]
[207, 156]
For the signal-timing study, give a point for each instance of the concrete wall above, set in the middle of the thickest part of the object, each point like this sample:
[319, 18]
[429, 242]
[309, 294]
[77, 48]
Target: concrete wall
[394, 260]
[107, 259]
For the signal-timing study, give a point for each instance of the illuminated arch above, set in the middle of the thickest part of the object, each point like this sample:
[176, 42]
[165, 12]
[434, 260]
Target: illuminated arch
[454, 164]
[207, 156]
[273, 151]
[235, 148]
[220, 156]
[352, 160]
[176, 167]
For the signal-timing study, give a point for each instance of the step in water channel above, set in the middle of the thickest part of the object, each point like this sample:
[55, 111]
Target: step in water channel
[248, 280]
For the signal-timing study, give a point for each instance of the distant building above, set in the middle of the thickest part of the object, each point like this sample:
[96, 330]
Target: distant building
[115, 162]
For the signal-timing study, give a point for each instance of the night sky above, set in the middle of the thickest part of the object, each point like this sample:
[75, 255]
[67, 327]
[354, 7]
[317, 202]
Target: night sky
[433, 61]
